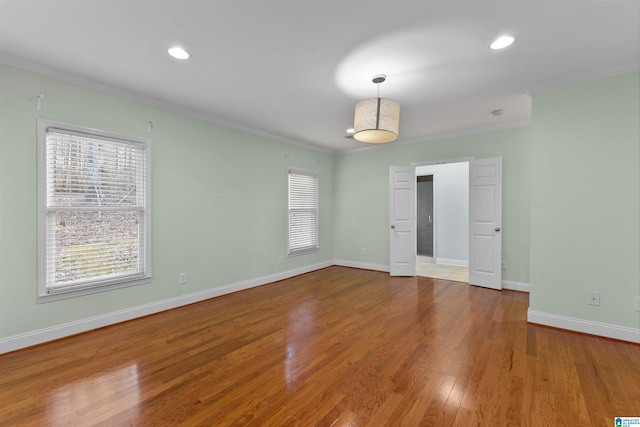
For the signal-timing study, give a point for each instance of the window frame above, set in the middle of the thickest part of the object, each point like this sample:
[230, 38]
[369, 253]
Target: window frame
[44, 292]
[316, 246]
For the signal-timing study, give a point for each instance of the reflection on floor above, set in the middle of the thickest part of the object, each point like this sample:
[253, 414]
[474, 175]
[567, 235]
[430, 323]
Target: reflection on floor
[426, 266]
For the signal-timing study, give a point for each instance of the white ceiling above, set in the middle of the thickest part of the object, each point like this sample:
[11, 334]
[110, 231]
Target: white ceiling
[293, 70]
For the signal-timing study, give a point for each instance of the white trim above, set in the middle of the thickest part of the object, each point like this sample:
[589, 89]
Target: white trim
[554, 84]
[441, 162]
[40, 336]
[515, 286]
[45, 290]
[451, 261]
[60, 331]
[585, 326]
[54, 73]
[444, 135]
[362, 265]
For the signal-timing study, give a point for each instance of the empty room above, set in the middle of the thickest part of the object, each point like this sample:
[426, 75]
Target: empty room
[319, 213]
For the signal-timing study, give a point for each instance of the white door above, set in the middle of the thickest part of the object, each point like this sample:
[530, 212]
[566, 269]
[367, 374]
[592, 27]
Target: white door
[402, 221]
[485, 222]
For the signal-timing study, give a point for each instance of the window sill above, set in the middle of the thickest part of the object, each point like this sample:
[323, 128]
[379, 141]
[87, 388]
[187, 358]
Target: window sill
[303, 252]
[49, 297]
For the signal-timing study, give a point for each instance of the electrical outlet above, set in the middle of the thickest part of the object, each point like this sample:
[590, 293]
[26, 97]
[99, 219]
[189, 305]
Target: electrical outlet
[280, 259]
[363, 251]
[636, 306]
[270, 261]
[593, 298]
[183, 278]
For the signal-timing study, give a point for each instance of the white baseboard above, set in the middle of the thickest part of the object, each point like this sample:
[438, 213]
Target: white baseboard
[506, 284]
[363, 265]
[515, 286]
[451, 261]
[585, 326]
[59, 331]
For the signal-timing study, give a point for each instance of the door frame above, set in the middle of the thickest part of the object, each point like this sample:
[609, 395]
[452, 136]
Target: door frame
[412, 169]
[414, 165]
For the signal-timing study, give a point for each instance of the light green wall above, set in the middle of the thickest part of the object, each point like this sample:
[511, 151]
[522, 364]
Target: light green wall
[219, 200]
[571, 190]
[362, 194]
[585, 200]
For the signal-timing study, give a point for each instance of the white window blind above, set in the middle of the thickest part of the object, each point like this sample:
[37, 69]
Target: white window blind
[303, 211]
[94, 211]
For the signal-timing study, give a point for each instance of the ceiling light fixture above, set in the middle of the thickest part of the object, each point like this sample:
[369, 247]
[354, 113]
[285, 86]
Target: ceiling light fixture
[502, 42]
[377, 119]
[178, 53]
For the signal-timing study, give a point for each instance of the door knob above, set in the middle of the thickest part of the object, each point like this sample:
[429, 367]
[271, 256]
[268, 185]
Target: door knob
[497, 228]
[393, 226]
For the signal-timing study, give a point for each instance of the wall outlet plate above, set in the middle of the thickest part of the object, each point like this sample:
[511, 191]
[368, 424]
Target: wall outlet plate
[183, 278]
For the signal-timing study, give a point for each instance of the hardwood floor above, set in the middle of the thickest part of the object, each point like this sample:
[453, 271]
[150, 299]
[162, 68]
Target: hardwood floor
[336, 347]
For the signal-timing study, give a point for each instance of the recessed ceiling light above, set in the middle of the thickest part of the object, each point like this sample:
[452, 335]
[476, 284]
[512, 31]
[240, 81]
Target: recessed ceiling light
[178, 53]
[502, 42]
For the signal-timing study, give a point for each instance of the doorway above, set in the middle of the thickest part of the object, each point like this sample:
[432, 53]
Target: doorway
[482, 229]
[442, 220]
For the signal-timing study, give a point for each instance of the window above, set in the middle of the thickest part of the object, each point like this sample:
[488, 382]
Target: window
[93, 210]
[303, 211]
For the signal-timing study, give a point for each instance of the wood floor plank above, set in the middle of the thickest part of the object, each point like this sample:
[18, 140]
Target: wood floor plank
[338, 346]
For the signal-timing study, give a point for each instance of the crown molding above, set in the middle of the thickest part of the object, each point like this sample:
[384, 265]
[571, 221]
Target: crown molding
[149, 100]
[554, 84]
[443, 135]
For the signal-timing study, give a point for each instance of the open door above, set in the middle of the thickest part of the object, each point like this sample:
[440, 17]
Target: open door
[485, 222]
[402, 221]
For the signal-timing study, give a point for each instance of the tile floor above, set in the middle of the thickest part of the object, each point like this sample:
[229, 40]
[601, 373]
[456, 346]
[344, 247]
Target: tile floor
[426, 266]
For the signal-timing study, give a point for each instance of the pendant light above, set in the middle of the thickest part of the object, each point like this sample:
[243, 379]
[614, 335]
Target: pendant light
[377, 119]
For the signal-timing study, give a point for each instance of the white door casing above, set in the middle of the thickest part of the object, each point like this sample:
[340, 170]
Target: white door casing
[402, 221]
[485, 222]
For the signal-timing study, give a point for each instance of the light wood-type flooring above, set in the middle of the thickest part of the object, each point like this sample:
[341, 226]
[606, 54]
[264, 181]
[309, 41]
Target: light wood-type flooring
[426, 266]
[336, 347]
